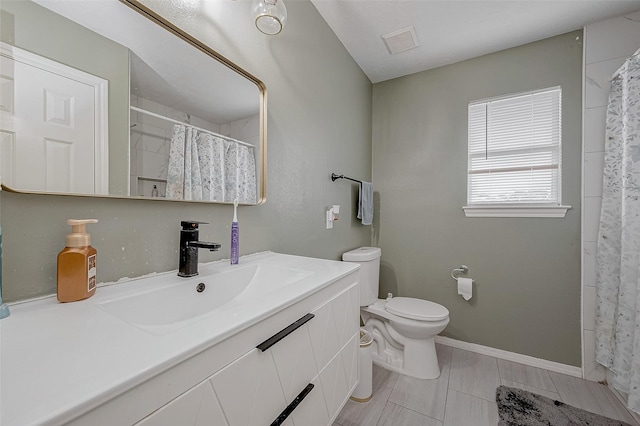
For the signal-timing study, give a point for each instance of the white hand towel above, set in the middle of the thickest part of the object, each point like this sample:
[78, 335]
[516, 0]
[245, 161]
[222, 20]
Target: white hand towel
[365, 203]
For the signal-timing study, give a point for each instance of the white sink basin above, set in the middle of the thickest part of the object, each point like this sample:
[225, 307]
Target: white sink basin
[166, 303]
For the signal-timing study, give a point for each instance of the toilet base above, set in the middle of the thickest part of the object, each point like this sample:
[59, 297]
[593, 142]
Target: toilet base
[400, 370]
[417, 358]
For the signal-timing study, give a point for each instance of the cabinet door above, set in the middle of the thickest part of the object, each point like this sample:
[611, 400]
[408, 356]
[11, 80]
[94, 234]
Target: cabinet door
[249, 390]
[346, 310]
[312, 411]
[324, 335]
[334, 385]
[295, 362]
[335, 344]
[196, 407]
[335, 323]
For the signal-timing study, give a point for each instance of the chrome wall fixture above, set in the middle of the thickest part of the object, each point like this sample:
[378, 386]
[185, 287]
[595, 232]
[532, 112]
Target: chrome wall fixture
[462, 269]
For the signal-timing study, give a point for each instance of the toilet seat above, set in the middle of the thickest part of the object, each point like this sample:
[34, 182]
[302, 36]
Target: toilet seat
[416, 309]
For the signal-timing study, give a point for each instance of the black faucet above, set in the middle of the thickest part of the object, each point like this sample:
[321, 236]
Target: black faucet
[189, 246]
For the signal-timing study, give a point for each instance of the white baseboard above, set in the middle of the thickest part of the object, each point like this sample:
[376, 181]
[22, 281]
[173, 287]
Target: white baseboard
[557, 367]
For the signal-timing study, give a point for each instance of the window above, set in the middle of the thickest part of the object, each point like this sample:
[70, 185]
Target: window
[514, 166]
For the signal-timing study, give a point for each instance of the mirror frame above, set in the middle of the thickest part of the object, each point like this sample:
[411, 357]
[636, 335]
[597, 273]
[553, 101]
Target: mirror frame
[189, 39]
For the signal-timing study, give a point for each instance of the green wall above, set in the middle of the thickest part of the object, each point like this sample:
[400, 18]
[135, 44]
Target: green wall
[36, 29]
[319, 121]
[527, 270]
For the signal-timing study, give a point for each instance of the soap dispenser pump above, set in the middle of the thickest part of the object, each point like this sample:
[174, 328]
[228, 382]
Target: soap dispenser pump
[76, 278]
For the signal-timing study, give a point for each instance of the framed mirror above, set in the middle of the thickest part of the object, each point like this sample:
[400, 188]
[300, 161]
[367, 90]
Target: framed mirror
[107, 98]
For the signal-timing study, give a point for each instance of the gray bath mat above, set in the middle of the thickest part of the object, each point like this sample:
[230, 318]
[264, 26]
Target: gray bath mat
[518, 407]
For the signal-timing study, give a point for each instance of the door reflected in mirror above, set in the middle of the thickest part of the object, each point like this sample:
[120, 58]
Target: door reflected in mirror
[154, 114]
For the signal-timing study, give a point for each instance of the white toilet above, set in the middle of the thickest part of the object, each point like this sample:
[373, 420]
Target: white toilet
[403, 328]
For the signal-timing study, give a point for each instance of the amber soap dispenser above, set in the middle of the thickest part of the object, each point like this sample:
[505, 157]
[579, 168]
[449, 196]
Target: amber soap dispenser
[77, 264]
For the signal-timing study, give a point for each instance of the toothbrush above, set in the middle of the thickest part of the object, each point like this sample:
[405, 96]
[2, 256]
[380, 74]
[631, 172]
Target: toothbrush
[235, 235]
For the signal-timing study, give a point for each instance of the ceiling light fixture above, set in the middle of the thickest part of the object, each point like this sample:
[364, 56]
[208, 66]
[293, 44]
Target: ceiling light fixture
[269, 15]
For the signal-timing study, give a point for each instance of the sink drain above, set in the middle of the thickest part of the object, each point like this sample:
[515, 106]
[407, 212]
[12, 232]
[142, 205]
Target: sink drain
[200, 287]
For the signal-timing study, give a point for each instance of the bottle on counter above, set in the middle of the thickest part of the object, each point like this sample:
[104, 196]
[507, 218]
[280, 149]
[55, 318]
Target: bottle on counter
[76, 278]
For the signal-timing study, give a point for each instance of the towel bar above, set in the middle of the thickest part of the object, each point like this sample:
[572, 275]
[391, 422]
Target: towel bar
[334, 177]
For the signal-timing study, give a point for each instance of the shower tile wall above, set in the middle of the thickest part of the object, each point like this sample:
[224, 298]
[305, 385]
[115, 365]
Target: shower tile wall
[608, 44]
[246, 129]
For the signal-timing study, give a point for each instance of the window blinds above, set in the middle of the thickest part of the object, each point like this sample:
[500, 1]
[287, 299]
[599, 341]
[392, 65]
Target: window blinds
[514, 150]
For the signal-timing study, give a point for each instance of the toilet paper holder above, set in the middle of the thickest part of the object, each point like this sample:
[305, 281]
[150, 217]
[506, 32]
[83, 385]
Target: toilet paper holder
[462, 269]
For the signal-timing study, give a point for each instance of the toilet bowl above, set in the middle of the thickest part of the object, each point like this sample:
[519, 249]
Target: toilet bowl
[405, 342]
[403, 328]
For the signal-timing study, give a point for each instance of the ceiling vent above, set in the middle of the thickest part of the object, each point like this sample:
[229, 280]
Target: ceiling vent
[401, 40]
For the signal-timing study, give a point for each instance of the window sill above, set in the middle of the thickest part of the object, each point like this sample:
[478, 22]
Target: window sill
[516, 211]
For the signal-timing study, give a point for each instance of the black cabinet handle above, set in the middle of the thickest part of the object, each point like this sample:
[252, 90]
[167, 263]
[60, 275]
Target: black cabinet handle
[294, 404]
[283, 333]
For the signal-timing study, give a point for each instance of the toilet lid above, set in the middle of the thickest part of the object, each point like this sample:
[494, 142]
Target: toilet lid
[417, 309]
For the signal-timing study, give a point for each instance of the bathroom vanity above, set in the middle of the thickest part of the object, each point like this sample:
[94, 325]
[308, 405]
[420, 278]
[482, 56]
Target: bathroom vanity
[272, 340]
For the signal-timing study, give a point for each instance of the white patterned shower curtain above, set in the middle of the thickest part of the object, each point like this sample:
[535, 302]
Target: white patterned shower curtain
[184, 181]
[618, 257]
[211, 154]
[203, 166]
[240, 173]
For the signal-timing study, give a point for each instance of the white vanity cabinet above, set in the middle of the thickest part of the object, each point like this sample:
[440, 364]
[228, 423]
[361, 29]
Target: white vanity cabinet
[312, 359]
[273, 340]
[198, 406]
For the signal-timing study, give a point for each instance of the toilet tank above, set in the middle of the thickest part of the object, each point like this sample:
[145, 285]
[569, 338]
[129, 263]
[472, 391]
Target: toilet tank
[369, 260]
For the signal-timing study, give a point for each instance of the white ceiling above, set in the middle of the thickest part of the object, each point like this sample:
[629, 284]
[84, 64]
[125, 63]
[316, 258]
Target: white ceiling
[450, 31]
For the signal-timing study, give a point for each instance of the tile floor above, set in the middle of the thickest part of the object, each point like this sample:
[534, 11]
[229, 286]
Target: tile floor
[464, 394]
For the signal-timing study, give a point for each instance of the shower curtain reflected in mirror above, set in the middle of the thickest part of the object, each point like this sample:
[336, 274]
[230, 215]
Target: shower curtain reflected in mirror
[208, 167]
[618, 257]
[240, 173]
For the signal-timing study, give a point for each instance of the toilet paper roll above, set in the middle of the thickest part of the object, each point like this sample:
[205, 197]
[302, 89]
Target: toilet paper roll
[465, 288]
